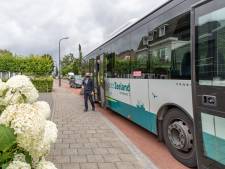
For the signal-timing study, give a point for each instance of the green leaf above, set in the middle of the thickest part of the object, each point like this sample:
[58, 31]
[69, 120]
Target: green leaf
[7, 138]
[5, 157]
[28, 158]
[4, 166]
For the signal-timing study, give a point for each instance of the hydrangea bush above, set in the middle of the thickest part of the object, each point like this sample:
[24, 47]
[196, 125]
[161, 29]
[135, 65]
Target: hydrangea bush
[25, 131]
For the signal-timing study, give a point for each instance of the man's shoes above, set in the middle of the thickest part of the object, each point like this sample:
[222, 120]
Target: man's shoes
[93, 109]
[85, 110]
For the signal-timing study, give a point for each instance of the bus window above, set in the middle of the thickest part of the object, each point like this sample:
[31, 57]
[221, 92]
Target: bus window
[140, 64]
[122, 65]
[122, 58]
[110, 64]
[170, 52]
[139, 54]
[211, 49]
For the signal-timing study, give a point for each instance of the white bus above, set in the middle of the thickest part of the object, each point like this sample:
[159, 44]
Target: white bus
[144, 74]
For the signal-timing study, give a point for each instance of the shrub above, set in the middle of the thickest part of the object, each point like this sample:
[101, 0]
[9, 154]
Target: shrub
[43, 84]
[32, 65]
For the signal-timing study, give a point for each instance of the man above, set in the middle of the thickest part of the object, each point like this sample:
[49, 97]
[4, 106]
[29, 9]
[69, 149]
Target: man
[88, 86]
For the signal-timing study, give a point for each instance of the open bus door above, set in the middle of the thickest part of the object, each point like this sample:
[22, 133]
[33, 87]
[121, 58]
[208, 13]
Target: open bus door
[208, 42]
[100, 90]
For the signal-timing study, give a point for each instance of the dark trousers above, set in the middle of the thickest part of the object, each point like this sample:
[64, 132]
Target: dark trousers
[86, 97]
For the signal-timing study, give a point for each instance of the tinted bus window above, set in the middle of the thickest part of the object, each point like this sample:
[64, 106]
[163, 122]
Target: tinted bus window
[139, 54]
[122, 57]
[110, 64]
[211, 49]
[169, 49]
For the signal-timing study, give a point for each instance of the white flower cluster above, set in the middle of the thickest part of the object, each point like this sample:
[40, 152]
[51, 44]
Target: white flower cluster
[19, 162]
[18, 165]
[28, 118]
[45, 165]
[18, 89]
[43, 108]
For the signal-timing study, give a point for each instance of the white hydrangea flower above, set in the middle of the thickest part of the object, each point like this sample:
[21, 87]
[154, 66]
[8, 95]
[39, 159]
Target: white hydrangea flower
[44, 108]
[51, 131]
[24, 86]
[3, 88]
[19, 157]
[13, 97]
[50, 136]
[28, 125]
[18, 165]
[45, 165]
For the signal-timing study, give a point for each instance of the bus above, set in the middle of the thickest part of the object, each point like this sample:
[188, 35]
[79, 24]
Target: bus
[166, 73]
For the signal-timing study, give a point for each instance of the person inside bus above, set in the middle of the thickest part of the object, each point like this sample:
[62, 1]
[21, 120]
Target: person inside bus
[88, 86]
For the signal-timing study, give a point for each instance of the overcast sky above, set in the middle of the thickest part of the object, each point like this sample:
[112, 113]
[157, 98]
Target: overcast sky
[35, 26]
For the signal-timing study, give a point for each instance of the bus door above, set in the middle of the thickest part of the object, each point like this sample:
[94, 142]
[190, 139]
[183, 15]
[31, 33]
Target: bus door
[208, 42]
[100, 79]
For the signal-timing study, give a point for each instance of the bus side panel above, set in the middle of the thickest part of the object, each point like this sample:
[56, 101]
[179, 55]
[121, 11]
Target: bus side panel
[140, 112]
[132, 103]
[176, 92]
[118, 95]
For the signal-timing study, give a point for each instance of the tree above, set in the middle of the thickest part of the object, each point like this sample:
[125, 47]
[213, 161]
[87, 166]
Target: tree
[80, 56]
[5, 52]
[69, 64]
[82, 65]
[67, 59]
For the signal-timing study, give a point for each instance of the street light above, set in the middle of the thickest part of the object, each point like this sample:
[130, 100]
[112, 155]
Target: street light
[59, 74]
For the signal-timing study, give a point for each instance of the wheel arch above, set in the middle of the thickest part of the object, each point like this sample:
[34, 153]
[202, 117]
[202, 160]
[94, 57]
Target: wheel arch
[161, 114]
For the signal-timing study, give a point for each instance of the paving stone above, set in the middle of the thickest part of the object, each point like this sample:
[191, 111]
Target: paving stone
[104, 144]
[78, 159]
[70, 151]
[125, 165]
[55, 152]
[95, 158]
[61, 146]
[127, 157]
[68, 140]
[100, 151]
[76, 145]
[91, 145]
[111, 158]
[70, 166]
[61, 159]
[89, 166]
[114, 151]
[84, 151]
[106, 166]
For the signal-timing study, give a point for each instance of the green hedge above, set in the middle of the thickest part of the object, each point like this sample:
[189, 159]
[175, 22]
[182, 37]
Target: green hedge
[32, 65]
[43, 84]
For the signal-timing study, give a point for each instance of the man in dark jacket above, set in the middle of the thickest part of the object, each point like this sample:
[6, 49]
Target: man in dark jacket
[88, 86]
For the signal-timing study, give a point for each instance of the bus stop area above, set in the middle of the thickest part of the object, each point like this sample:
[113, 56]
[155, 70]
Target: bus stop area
[101, 139]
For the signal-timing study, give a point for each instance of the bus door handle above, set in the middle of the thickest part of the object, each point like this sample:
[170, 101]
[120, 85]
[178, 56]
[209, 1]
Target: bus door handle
[209, 100]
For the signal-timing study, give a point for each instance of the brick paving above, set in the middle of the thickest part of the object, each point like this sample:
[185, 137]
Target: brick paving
[86, 140]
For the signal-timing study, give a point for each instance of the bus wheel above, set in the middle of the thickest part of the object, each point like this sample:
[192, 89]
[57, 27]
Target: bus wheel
[178, 133]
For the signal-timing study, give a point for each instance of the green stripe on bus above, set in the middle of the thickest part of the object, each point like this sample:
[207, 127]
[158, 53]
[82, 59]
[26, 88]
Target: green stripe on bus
[137, 114]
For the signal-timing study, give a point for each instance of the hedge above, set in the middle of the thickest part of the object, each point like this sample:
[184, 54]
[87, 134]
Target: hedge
[32, 65]
[43, 84]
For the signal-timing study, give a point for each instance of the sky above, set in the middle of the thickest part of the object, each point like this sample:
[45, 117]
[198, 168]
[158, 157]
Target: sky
[35, 26]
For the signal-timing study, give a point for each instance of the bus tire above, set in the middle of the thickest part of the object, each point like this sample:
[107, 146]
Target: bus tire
[178, 134]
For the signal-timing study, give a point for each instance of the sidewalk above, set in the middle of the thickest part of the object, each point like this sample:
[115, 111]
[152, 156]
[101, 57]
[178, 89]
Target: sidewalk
[88, 140]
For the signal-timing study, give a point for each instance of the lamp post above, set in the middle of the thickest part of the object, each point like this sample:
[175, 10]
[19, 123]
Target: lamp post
[59, 73]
